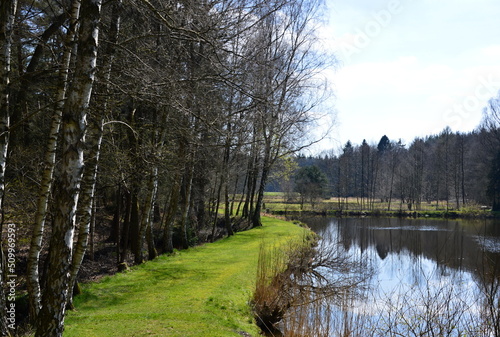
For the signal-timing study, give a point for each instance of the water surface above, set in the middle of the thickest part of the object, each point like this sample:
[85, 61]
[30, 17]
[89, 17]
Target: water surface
[428, 276]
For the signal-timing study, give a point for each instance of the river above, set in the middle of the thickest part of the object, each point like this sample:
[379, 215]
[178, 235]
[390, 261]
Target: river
[427, 277]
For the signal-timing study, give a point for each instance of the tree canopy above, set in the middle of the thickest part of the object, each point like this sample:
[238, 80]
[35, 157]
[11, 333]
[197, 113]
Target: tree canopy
[311, 183]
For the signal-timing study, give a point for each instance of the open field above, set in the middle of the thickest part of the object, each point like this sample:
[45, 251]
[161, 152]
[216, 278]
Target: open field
[202, 291]
[276, 202]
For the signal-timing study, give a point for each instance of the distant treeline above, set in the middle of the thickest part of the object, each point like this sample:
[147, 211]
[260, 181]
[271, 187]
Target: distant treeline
[453, 169]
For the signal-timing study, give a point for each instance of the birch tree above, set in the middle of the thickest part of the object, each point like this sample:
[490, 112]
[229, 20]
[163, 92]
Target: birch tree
[33, 281]
[96, 125]
[287, 70]
[50, 321]
[7, 15]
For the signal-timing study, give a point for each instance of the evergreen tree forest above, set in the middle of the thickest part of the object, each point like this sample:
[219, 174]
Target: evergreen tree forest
[450, 170]
[136, 121]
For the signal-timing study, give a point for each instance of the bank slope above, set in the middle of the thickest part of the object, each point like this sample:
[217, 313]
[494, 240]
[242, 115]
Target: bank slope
[203, 291]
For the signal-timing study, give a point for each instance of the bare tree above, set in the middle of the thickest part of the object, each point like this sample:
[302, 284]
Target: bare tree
[33, 283]
[286, 70]
[7, 14]
[50, 320]
[491, 121]
[86, 201]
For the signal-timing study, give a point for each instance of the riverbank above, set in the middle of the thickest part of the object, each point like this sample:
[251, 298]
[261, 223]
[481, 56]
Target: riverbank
[277, 203]
[203, 291]
[387, 214]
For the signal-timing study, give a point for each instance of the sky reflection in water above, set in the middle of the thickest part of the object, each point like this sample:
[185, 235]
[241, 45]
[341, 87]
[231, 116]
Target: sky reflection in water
[416, 261]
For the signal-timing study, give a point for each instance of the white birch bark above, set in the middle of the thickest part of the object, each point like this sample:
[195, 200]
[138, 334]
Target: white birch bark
[33, 280]
[85, 207]
[7, 15]
[91, 165]
[50, 320]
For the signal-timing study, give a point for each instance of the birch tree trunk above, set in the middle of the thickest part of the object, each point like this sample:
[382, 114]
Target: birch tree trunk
[33, 280]
[152, 252]
[91, 165]
[7, 15]
[85, 203]
[50, 320]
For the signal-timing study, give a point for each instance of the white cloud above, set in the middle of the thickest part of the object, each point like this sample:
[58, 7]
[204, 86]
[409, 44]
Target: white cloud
[412, 97]
[491, 52]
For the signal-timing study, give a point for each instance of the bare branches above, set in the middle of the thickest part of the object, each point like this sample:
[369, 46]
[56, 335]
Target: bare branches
[200, 99]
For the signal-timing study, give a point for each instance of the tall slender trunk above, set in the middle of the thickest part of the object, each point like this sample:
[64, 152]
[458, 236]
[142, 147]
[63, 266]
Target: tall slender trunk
[146, 219]
[124, 242]
[242, 196]
[152, 253]
[227, 209]
[251, 180]
[339, 186]
[235, 192]
[92, 231]
[90, 174]
[50, 320]
[114, 233]
[256, 222]
[33, 281]
[7, 15]
[225, 177]
[249, 183]
[186, 202]
[168, 245]
[447, 176]
[173, 202]
[266, 166]
[461, 144]
[216, 209]
[95, 140]
[85, 205]
[199, 192]
[456, 181]
[393, 172]
[362, 185]
[136, 241]
[374, 181]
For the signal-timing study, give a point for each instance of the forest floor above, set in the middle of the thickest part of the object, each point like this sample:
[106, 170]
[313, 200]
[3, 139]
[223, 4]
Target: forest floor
[202, 291]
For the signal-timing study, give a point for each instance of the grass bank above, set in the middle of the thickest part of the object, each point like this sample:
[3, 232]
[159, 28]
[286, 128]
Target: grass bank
[203, 291]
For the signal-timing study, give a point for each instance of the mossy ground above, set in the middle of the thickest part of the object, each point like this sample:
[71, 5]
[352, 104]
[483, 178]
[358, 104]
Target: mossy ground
[203, 291]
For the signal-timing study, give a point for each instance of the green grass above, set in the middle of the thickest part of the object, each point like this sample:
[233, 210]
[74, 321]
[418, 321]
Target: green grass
[203, 291]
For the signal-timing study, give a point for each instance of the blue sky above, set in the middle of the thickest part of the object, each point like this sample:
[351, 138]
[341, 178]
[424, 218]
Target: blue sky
[409, 68]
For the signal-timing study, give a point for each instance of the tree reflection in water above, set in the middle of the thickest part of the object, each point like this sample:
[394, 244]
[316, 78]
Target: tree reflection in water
[426, 278]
